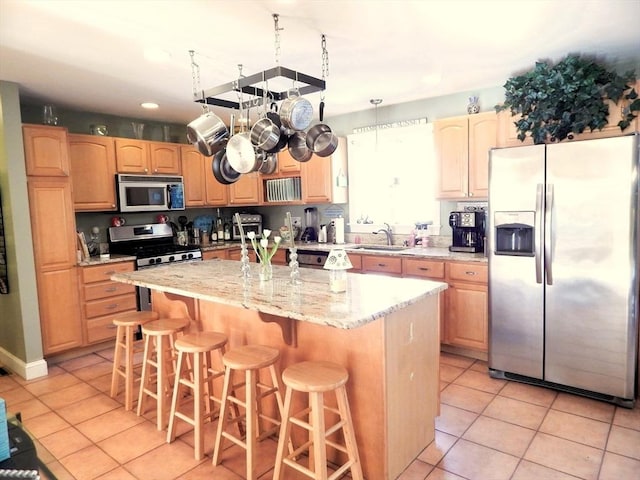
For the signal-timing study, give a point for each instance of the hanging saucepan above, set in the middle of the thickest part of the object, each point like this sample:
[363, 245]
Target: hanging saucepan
[269, 164]
[320, 139]
[208, 133]
[265, 134]
[240, 152]
[298, 147]
[222, 171]
[296, 112]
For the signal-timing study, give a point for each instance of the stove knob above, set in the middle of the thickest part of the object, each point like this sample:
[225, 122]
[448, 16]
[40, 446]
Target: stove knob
[152, 261]
[158, 260]
[190, 256]
[172, 258]
[184, 256]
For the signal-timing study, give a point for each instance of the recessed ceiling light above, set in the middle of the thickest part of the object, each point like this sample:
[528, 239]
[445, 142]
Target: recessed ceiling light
[149, 105]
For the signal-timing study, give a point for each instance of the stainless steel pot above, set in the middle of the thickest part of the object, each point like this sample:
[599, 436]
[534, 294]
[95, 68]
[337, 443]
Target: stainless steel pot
[320, 138]
[241, 154]
[208, 133]
[298, 147]
[296, 112]
[265, 134]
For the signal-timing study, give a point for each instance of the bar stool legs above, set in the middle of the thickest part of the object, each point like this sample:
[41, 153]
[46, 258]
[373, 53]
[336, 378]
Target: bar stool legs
[249, 359]
[317, 378]
[125, 349]
[200, 347]
[159, 357]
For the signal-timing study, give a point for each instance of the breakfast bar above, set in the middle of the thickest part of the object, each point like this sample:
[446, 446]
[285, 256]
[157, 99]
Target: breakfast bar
[383, 330]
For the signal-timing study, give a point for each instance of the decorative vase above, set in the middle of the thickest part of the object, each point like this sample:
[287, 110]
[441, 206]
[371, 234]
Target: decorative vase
[266, 272]
[474, 106]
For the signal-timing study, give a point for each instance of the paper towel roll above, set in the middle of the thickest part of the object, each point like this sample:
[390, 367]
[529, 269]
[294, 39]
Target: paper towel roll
[339, 225]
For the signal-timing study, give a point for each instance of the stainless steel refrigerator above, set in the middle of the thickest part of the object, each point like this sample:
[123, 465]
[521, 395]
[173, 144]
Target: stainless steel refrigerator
[563, 266]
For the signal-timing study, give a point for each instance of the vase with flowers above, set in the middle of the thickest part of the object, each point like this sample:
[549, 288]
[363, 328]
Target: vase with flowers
[264, 252]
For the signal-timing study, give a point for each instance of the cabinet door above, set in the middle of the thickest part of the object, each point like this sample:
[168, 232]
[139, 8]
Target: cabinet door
[316, 180]
[482, 137]
[246, 191]
[93, 168]
[507, 132]
[287, 164]
[165, 158]
[192, 170]
[59, 304]
[451, 138]
[132, 156]
[52, 222]
[418, 267]
[382, 264]
[46, 151]
[216, 193]
[467, 323]
[211, 254]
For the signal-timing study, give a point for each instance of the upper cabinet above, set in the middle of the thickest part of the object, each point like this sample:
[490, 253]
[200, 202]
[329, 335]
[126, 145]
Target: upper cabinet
[141, 156]
[200, 186]
[462, 151]
[320, 177]
[93, 169]
[246, 190]
[46, 151]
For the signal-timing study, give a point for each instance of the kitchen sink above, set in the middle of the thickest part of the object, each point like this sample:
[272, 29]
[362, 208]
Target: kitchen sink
[382, 248]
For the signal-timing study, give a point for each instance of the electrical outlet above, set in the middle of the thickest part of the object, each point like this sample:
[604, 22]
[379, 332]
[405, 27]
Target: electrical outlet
[296, 221]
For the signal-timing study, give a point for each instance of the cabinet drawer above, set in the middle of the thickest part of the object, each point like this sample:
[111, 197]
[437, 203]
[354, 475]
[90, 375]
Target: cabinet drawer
[356, 261]
[467, 272]
[110, 305]
[93, 291]
[101, 273]
[381, 263]
[101, 329]
[416, 267]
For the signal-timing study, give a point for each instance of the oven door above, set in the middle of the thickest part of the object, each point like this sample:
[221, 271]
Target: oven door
[247, 227]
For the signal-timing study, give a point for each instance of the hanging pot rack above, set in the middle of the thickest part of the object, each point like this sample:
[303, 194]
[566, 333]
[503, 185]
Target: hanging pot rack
[250, 85]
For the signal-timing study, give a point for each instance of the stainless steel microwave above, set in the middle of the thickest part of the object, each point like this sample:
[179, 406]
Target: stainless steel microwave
[150, 193]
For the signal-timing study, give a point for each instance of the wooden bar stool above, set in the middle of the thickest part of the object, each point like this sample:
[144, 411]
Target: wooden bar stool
[317, 378]
[199, 348]
[125, 348]
[249, 359]
[160, 357]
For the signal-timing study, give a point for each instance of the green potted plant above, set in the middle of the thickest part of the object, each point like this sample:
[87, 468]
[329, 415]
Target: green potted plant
[557, 101]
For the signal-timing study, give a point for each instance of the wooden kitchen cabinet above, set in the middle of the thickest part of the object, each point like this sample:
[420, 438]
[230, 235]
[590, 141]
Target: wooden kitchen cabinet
[387, 264]
[102, 299]
[245, 191]
[93, 169]
[287, 164]
[211, 254]
[466, 322]
[192, 172]
[144, 157]
[462, 153]
[318, 177]
[54, 248]
[280, 257]
[235, 253]
[46, 150]
[431, 270]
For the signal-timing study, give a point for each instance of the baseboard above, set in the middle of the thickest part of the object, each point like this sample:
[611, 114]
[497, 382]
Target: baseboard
[465, 352]
[28, 371]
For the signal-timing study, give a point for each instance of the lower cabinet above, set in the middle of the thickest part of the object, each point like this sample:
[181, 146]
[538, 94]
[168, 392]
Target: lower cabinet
[102, 298]
[211, 254]
[382, 264]
[466, 322]
[235, 253]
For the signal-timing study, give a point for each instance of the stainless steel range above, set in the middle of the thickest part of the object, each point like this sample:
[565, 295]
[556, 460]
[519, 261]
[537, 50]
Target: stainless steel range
[153, 245]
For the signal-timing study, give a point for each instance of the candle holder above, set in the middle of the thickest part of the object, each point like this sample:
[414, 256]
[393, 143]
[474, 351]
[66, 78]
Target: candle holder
[338, 263]
[245, 267]
[294, 276]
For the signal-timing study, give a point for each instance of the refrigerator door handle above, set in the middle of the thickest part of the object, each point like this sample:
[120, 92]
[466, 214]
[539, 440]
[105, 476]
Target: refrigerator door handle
[548, 257]
[538, 236]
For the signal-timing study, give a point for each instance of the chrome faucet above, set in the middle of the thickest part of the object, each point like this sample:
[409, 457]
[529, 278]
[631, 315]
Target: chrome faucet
[387, 231]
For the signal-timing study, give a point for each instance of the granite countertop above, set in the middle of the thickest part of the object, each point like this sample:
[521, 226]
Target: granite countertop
[113, 258]
[367, 298]
[436, 253]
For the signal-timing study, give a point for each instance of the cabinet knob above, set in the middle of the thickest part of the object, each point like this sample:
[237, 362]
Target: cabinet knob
[424, 269]
[471, 194]
[470, 273]
[112, 306]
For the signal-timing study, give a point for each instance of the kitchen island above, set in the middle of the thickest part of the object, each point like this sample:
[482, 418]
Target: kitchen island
[383, 330]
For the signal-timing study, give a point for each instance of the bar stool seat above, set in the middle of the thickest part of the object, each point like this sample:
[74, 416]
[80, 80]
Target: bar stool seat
[199, 348]
[161, 358]
[316, 379]
[249, 359]
[126, 347]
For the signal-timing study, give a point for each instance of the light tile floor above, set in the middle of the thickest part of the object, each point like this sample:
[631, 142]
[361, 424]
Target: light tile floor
[488, 430]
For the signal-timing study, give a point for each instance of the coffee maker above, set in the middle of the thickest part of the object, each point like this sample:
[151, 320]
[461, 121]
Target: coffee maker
[468, 231]
[310, 233]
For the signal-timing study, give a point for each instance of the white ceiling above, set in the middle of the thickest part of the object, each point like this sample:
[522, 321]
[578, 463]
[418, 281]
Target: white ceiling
[89, 54]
